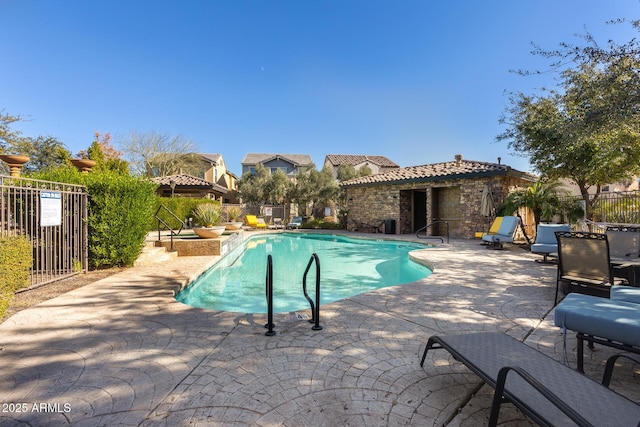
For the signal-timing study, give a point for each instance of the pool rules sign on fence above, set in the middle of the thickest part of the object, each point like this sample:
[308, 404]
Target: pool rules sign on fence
[50, 208]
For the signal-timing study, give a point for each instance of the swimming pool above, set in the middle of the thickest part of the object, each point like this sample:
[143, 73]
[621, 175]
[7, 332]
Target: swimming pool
[348, 267]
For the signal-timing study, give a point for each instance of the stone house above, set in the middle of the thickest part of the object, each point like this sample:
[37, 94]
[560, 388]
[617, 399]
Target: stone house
[416, 196]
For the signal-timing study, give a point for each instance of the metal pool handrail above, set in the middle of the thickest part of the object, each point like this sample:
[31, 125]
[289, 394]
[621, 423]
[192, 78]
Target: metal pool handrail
[166, 224]
[315, 310]
[269, 290]
[433, 237]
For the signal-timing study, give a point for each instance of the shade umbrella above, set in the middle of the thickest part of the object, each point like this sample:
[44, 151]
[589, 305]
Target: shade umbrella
[487, 205]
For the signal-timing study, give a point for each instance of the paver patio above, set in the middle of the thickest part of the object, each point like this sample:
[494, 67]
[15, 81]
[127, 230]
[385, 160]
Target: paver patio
[122, 351]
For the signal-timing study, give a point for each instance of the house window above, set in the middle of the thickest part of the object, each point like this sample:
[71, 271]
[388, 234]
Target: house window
[605, 188]
[283, 169]
[215, 175]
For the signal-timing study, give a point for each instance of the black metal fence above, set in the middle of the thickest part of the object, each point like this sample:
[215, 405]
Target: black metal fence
[53, 217]
[613, 208]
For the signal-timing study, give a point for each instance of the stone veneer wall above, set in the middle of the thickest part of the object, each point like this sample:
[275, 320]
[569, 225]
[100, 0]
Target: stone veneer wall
[370, 204]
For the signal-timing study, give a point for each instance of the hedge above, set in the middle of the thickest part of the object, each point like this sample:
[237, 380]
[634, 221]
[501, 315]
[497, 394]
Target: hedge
[120, 208]
[16, 259]
[182, 207]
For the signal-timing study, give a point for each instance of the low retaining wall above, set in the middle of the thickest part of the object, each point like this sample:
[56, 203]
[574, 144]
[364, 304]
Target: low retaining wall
[194, 246]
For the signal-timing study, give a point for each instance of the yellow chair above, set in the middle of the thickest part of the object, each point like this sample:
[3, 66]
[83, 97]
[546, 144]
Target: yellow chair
[252, 221]
[493, 229]
[496, 225]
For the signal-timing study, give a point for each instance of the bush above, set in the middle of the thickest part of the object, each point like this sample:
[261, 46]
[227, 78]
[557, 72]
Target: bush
[119, 210]
[182, 207]
[207, 214]
[321, 224]
[16, 259]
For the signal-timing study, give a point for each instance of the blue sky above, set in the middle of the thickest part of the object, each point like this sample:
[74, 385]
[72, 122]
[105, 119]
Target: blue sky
[416, 81]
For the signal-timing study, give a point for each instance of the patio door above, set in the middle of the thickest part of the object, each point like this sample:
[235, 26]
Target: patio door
[419, 210]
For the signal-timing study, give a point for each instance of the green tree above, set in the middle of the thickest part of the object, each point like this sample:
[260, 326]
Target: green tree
[541, 197]
[328, 189]
[364, 170]
[346, 172]
[589, 132]
[313, 186]
[107, 158]
[277, 187]
[44, 152]
[252, 187]
[9, 137]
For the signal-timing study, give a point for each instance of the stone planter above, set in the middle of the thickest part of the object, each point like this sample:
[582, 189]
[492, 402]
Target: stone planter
[83, 165]
[209, 232]
[15, 163]
[232, 225]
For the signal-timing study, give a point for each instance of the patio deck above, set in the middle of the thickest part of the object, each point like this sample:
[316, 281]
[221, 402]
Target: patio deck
[122, 351]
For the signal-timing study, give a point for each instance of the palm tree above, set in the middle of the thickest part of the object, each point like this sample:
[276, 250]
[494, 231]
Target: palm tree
[541, 197]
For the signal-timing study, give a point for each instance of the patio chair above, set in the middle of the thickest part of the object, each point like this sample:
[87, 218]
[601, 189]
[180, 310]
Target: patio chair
[545, 390]
[546, 243]
[624, 242]
[504, 234]
[296, 222]
[583, 263]
[493, 229]
[277, 224]
[253, 222]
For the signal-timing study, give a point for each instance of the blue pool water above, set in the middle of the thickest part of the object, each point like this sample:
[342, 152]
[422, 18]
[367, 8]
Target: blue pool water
[348, 267]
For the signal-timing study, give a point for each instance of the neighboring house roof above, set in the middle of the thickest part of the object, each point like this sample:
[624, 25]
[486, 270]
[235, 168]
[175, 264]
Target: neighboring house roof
[438, 172]
[185, 180]
[294, 159]
[356, 159]
[215, 158]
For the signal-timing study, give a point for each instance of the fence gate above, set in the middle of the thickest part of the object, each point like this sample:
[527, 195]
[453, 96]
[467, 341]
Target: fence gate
[52, 216]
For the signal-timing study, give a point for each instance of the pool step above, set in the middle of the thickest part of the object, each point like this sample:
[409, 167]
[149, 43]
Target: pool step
[152, 255]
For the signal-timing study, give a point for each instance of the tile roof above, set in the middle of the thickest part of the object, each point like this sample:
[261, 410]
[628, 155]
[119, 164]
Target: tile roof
[436, 172]
[356, 159]
[186, 180]
[212, 157]
[295, 159]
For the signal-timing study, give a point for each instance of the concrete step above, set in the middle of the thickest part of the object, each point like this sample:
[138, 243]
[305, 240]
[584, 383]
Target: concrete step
[152, 255]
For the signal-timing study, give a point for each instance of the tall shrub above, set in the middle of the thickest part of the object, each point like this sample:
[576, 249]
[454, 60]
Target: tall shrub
[16, 259]
[119, 210]
[120, 207]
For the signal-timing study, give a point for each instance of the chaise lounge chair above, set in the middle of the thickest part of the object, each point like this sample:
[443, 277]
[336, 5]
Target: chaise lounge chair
[296, 222]
[545, 390]
[277, 224]
[254, 222]
[505, 232]
[546, 242]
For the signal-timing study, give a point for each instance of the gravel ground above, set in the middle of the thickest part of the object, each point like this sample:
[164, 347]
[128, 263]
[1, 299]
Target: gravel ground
[35, 296]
